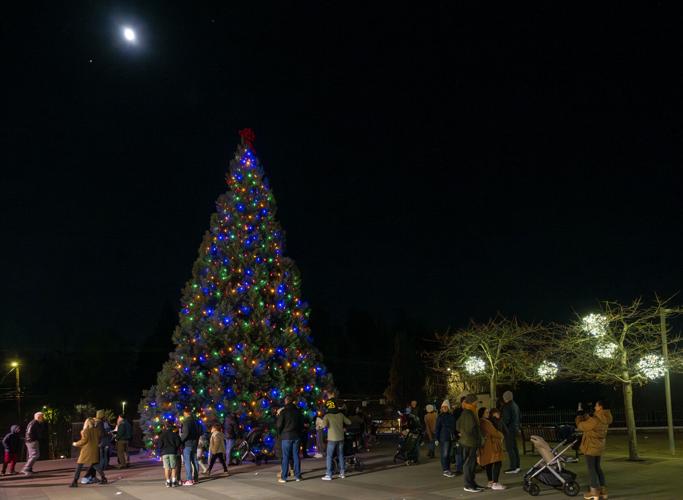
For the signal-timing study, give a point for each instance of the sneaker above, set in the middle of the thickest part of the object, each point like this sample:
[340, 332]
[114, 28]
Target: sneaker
[168, 484]
[188, 483]
[318, 455]
[280, 480]
[512, 471]
[341, 476]
[27, 473]
[73, 485]
[326, 478]
[458, 473]
[104, 480]
[498, 486]
[490, 484]
[174, 484]
[472, 490]
[448, 473]
[297, 479]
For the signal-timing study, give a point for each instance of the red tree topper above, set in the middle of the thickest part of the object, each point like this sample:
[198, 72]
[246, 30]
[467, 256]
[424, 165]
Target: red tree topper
[248, 137]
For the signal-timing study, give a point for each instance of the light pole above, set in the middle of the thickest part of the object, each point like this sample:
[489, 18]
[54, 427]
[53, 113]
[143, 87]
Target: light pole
[123, 408]
[667, 382]
[17, 374]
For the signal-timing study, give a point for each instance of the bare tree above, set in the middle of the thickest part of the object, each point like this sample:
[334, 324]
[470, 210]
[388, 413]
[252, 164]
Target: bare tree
[619, 345]
[499, 351]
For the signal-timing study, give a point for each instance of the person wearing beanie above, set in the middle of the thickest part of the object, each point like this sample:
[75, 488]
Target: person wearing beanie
[444, 432]
[12, 448]
[430, 427]
[470, 439]
[511, 424]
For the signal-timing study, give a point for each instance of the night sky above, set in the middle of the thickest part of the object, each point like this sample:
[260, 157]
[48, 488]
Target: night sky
[449, 160]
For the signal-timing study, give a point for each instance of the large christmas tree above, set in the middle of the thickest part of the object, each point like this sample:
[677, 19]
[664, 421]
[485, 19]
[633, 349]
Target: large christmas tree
[243, 341]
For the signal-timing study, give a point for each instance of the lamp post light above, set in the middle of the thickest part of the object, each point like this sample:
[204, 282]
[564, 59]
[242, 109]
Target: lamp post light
[123, 408]
[17, 375]
[667, 382]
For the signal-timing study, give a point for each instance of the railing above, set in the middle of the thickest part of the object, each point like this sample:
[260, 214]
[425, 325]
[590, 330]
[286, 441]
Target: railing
[644, 418]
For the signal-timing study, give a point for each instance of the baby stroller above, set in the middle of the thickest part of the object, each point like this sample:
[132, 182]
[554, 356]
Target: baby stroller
[408, 447]
[251, 447]
[352, 445]
[550, 469]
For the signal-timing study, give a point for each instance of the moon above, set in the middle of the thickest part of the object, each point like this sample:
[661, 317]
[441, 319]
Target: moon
[129, 34]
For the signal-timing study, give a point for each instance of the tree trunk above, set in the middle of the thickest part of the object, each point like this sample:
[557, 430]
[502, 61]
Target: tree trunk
[492, 389]
[630, 421]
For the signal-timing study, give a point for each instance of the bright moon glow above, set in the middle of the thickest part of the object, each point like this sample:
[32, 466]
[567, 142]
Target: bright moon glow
[129, 34]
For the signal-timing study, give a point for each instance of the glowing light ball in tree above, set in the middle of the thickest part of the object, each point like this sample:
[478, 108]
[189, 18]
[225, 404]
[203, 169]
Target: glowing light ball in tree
[474, 365]
[243, 339]
[595, 324]
[606, 349]
[547, 370]
[652, 366]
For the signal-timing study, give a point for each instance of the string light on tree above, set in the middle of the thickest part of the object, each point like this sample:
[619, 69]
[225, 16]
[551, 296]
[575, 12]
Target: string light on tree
[652, 366]
[606, 349]
[547, 370]
[474, 365]
[595, 324]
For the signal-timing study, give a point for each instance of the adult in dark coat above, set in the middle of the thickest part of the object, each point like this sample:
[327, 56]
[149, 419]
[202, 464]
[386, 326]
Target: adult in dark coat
[289, 427]
[444, 433]
[11, 444]
[511, 420]
[34, 433]
[231, 431]
[189, 435]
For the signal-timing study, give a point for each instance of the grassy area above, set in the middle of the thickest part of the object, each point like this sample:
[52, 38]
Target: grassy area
[651, 444]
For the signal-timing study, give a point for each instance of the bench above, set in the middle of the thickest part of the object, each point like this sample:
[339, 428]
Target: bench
[548, 432]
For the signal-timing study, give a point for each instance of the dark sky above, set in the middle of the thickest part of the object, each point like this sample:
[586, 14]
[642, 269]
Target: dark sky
[449, 159]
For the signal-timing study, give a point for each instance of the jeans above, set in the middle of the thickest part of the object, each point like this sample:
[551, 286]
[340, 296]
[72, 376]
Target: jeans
[430, 446]
[493, 471]
[456, 456]
[340, 456]
[103, 463]
[511, 447]
[597, 478]
[470, 466]
[80, 467]
[229, 445]
[290, 448]
[190, 461]
[445, 447]
[32, 454]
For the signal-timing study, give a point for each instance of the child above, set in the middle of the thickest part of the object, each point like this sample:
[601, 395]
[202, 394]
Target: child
[169, 444]
[12, 444]
[319, 435]
[90, 453]
[217, 448]
[202, 448]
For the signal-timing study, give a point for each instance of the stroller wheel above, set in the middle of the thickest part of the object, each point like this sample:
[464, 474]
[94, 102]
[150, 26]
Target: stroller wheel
[525, 486]
[572, 488]
[534, 490]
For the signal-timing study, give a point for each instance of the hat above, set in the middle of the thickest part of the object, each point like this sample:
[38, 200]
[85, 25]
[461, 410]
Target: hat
[429, 408]
[99, 414]
[331, 406]
[507, 396]
[446, 403]
[471, 398]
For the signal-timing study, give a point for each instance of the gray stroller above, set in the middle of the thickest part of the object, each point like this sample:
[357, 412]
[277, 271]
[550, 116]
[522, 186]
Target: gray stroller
[550, 469]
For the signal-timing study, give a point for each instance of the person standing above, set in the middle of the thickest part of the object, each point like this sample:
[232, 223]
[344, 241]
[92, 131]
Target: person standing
[124, 433]
[430, 427]
[491, 452]
[217, 448]
[470, 439]
[511, 421]
[11, 444]
[231, 433]
[189, 435]
[594, 430]
[444, 432]
[202, 450]
[169, 444]
[89, 455]
[334, 420]
[289, 426]
[34, 433]
[319, 435]
[456, 449]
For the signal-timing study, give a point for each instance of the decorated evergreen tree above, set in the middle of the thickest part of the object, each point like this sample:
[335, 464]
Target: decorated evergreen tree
[243, 341]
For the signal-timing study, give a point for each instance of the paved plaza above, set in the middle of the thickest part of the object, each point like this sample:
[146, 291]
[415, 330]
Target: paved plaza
[659, 477]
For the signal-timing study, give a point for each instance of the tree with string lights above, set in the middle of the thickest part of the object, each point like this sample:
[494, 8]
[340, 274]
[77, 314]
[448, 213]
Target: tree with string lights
[619, 345]
[243, 340]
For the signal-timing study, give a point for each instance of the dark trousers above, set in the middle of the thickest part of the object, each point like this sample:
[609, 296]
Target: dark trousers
[104, 461]
[221, 458]
[493, 471]
[9, 459]
[597, 478]
[445, 448]
[95, 467]
[511, 447]
[470, 465]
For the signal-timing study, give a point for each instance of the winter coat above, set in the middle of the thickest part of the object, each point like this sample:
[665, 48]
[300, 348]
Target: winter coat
[335, 423]
[169, 443]
[510, 414]
[430, 424]
[289, 423]
[124, 431]
[231, 430]
[88, 444]
[190, 430]
[12, 441]
[444, 429]
[34, 431]
[217, 443]
[492, 449]
[594, 432]
[105, 433]
[468, 428]
[203, 442]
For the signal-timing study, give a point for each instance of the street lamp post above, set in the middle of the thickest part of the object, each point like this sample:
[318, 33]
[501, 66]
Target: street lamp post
[123, 408]
[17, 375]
[667, 381]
